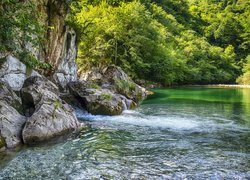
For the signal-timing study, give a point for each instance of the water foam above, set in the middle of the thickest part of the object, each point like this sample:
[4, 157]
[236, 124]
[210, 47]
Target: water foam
[136, 118]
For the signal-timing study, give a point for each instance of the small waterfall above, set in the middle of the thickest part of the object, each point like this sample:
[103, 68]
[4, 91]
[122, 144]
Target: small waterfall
[124, 105]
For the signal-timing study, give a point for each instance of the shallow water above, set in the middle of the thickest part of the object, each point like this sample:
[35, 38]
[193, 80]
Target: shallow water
[193, 133]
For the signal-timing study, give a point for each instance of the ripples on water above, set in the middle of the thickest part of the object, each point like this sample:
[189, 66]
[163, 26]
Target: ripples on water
[156, 141]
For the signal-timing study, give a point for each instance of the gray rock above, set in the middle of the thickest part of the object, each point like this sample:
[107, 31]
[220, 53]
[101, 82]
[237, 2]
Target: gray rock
[14, 72]
[117, 91]
[123, 84]
[10, 97]
[34, 90]
[67, 68]
[100, 101]
[49, 116]
[49, 120]
[11, 124]
[11, 121]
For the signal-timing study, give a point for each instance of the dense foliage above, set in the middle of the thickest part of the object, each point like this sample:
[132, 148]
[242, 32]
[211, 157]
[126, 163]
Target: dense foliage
[171, 41]
[245, 78]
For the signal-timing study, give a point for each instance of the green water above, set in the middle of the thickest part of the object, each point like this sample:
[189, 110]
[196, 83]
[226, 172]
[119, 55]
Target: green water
[182, 133]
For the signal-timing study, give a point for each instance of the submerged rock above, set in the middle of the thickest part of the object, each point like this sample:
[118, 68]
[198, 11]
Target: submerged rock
[49, 115]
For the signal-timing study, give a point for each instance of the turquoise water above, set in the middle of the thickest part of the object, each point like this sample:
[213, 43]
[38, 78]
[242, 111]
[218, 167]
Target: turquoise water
[192, 133]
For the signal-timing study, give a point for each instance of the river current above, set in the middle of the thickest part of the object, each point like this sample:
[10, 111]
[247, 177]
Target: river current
[179, 133]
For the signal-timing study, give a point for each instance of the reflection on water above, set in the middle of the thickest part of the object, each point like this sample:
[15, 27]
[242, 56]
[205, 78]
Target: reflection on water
[193, 133]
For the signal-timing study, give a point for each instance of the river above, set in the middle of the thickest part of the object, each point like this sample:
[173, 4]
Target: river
[178, 133]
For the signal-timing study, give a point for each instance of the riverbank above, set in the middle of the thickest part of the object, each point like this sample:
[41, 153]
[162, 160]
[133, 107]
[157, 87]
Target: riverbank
[221, 86]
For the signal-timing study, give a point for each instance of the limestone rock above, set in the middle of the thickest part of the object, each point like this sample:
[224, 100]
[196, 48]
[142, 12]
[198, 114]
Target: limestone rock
[49, 116]
[10, 97]
[11, 124]
[49, 120]
[97, 101]
[14, 72]
[11, 121]
[117, 91]
[67, 68]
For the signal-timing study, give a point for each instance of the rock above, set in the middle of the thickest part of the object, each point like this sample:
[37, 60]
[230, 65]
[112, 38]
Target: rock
[49, 120]
[97, 101]
[11, 124]
[49, 116]
[116, 91]
[11, 121]
[10, 97]
[14, 72]
[34, 89]
[67, 68]
[100, 101]
[115, 79]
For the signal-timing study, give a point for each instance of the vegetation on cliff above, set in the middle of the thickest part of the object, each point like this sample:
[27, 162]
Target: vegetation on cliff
[171, 42]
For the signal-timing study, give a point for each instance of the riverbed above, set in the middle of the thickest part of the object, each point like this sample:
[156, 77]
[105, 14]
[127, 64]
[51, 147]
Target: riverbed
[177, 133]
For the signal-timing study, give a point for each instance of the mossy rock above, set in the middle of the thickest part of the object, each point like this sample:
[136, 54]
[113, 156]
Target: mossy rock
[2, 142]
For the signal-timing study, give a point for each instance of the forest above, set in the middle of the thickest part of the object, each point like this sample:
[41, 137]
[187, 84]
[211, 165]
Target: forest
[171, 42]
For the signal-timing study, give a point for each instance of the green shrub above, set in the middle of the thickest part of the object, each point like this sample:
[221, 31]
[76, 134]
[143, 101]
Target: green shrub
[106, 96]
[124, 87]
[94, 86]
[31, 62]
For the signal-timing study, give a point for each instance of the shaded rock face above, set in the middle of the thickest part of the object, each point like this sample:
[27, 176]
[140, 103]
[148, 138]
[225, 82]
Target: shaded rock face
[11, 121]
[14, 72]
[50, 116]
[9, 96]
[11, 124]
[108, 92]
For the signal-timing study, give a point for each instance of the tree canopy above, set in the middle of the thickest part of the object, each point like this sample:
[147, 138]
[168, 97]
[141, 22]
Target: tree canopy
[171, 42]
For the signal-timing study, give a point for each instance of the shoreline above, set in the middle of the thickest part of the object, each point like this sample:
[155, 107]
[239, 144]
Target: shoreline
[222, 85]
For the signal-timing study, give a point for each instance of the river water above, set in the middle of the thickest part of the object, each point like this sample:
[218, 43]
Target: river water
[182, 133]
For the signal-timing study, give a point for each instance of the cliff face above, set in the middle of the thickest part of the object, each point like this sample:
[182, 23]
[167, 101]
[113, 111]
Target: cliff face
[61, 41]
[60, 48]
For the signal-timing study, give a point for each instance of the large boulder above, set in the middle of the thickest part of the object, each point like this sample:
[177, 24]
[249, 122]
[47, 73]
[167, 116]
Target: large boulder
[49, 120]
[116, 80]
[11, 121]
[49, 116]
[14, 72]
[11, 124]
[34, 89]
[107, 92]
[100, 101]
[97, 101]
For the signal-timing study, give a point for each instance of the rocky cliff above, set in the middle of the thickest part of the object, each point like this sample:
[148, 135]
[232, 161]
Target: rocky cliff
[61, 48]
[38, 27]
